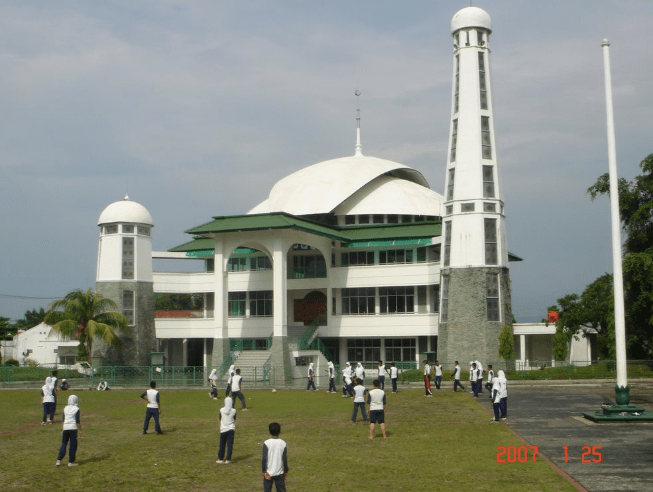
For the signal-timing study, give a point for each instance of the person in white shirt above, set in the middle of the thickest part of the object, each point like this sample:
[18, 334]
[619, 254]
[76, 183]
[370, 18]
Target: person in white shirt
[72, 428]
[503, 382]
[360, 372]
[227, 430]
[456, 377]
[311, 375]
[153, 400]
[47, 398]
[473, 378]
[213, 380]
[236, 391]
[382, 374]
[274, 461]
[376, 401]
[332, 377]
[231, 372]
[394, 373]
[359, 402]
[427, 379]
[490, 377]
[346, 381]
[479, 366]
[438, 374]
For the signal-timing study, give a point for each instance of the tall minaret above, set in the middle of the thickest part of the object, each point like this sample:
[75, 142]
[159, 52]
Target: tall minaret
[124, 275]
[475, 285]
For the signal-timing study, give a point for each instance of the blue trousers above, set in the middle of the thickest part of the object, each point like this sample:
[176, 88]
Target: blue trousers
[310, 384]
[394, 384]
[497, 411]
[456, 383]
[480, 385]
[68, 435]
[226, 441]
[354, 414]
[504, 407]
[279, 481]
[48, 411]
[240, 396]
[438, 381]
[382, 381]
[332, 384]
[151, 412]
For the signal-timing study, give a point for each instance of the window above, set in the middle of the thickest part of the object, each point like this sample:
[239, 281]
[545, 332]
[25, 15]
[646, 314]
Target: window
[400, 350]
[454, 140]
[449, 210]
[444, 306]
[488, 181]
[421, 255]
[466, 207]
[489, 207]
[143, 231]
[236, 304]
[350, 219]
[481, 80]
[111, 229]
[127, 229]
[434, 253]
[447, 243]
[128, 306]
[452, 175]
[236, 264]
[492, 296]
[259, 263]
[363, 219]
[377, 219]
[260, 303]
[397, 299]
[395, 256]
[479, 38]
[358, 258]
[435, 304]
[406, 218]
[491, 256]
[393, 219]
[307, 266]
[486, 139]
[128, 258]
[358, 301]
[456, 85]
[364, 350]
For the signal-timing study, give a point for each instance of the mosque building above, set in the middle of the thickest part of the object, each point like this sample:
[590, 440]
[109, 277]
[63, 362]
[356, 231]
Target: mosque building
[350, 259]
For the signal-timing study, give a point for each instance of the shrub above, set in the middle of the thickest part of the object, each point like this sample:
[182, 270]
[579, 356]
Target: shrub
[12, 362]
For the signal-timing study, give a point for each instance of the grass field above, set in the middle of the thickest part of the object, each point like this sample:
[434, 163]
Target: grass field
[444, 443]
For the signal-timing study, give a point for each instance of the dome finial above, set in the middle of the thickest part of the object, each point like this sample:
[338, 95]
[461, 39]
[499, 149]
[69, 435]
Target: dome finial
[359, 148]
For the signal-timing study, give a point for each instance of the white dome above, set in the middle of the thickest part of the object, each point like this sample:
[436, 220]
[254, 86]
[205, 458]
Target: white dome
[322, 187]
[125, 211]
[471, 17]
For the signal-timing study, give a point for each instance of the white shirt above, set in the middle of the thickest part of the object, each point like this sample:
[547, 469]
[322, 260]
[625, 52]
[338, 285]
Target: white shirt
[456, 371]
[275, 457]
[70, 417]
[152, 398]
[394, 372]
[227, 416]
[473, 374]
[438, 370]
[235, 382]
[427, 370]
[359, 393]
[376, 399]
[382, 370]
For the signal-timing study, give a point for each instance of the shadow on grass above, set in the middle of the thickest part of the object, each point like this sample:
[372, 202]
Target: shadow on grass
[96, 459]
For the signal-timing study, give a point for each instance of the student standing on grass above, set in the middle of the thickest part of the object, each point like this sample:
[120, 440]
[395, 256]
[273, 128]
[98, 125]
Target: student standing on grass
[382, 374]
[456, 377]
[72, 428]
[274, 461]
[360, 372]
[479, 366]
[427, 379]
[495, 395]
[490, 377]
[473, 379]
[438, 375]
[359, 402]
[394, 372]
[47, 398]
[55, 391]
[347, 386]
[153, 400]
[231, 373]
[236, 392]
[503, 388]
[376, 401]
[332, 378]
[213, 379]
[311, 375]
[227, 430]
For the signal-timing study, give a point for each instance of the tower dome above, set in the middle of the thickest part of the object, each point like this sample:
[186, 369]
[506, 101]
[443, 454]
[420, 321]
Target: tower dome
[125, 211]
[471, 17]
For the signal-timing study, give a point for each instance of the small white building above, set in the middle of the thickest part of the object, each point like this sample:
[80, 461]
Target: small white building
[38, 344]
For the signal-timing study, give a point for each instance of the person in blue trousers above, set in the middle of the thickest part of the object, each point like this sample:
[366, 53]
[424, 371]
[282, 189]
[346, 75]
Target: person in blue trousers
[153, 400]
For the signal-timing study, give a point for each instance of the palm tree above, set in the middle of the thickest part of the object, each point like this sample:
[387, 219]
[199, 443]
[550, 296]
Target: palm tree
[87, 315]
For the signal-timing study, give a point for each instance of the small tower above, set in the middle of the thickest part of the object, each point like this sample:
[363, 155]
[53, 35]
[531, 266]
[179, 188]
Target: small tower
[124, 275]
[475, 284]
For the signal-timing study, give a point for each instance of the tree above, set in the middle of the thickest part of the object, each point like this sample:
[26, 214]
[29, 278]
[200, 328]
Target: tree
[506, 346]
[87, 315]
[31, 319]
[6, 328]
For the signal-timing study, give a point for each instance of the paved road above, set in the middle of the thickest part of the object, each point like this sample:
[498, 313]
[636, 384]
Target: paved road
[550, 418]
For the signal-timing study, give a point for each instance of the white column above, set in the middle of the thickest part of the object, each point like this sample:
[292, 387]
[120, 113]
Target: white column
[184, 347]
[220, 300]
[280, 289]
[522, 349]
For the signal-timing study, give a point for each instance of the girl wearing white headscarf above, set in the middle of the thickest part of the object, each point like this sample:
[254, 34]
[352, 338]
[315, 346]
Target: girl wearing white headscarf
[347, 387]
[71, 427]
[213, 379]
[311, 375]
[47, 398]
[332, 377]
[231, 373]
[227, 430]
[503, 404]
[360, 372]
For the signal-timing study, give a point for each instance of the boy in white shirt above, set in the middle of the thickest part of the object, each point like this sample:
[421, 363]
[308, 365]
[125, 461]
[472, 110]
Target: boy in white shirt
[236, 392]
[394, 372]
[376, 401]
[359, 402]
[427, 379]
[153, 400]
[274, 461]
[456, 377]
[438, 375]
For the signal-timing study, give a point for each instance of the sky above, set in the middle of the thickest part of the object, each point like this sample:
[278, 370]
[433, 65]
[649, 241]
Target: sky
[196, 108]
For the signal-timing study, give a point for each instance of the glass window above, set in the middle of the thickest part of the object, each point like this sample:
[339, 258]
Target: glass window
[377, 219]
[364, 350]
[493, 311]
[363, 219]
[111, 229]
[358, 301]
[452, 175]
[406, 218]
[488, 181]
[486, 139]
[395, 256]
[444, 305]
[435, 305]
[397, 299]
[434, 253]
[421, 255]
[307, 266]
[454, 140]
[128, 306]
[128, 258]
[449, 210]
[127, 229]
[456, 85]
[400, 350]
[260, 263]
[236, 304]
[236, 264]
[350, 219]
[260, 303]
[358, 258]
[447, 243]
[393, 219]
[489, 207]
[209, 264]
[481, 80]
[491, 249]
[466, 207]
[143, 231]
